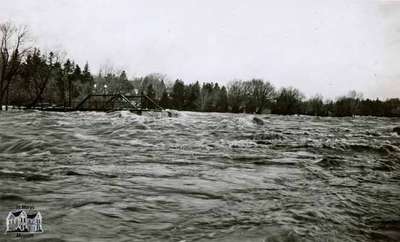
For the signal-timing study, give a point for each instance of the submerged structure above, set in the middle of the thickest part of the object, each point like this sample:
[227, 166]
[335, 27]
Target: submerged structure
[112, 102]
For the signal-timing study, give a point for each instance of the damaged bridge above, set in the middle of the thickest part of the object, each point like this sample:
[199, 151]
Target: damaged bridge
[113, 102]
[118, 102]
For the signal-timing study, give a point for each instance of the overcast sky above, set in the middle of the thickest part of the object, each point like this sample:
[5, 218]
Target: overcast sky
[327, 47]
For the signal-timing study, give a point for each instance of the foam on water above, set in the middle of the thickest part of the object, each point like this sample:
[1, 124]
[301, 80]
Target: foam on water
[202, 176]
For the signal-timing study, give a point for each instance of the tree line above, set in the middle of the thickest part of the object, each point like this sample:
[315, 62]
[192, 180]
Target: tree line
[30, 77]
[259, 96]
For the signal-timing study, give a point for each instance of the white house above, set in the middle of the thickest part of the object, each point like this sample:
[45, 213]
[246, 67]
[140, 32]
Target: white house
[16, 221]
[34, 222]
[21, 221]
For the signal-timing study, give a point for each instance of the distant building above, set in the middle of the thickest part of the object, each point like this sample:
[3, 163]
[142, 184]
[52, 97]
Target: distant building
[24, 222]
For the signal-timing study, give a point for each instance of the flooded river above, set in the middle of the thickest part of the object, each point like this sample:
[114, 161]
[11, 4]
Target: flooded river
[201, 176]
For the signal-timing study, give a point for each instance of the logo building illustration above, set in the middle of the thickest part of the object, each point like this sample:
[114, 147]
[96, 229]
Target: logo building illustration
[24, 221]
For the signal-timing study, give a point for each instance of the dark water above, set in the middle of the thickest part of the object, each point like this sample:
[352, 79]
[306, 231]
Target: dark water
[202, 177]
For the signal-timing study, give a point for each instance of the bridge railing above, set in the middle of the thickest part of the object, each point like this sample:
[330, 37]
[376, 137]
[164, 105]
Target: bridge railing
[110, 102]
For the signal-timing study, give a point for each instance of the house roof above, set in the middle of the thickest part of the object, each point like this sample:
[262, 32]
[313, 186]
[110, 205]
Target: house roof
[17, 213]
[33, 215]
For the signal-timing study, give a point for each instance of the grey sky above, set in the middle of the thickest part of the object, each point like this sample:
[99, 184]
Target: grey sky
[326, 47]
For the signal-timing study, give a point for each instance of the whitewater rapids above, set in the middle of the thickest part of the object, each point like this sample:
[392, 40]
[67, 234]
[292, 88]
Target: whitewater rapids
[202, 176]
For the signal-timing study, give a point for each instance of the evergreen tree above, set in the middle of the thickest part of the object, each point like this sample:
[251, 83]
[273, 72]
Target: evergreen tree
[68, 73]
[178, 95]
[165, 101]
[192, 95]
[206, 97]
[60, 84]
[76, 83]
[122, 84]
[222, 101]
[87, 79]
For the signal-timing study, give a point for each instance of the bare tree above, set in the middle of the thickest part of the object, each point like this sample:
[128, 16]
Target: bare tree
[13, 49]
[262, 93]
[250, 96]
[236, 95]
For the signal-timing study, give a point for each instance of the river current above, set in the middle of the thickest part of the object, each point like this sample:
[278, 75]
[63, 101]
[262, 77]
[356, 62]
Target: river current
[201, 176]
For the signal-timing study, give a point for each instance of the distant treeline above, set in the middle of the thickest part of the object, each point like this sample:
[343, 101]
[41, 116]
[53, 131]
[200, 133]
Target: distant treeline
[31, 78]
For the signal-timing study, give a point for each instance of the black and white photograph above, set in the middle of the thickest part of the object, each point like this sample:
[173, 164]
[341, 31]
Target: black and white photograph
[200, 120]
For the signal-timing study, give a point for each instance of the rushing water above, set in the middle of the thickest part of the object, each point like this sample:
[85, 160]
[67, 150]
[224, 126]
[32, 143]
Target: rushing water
[202, 176]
